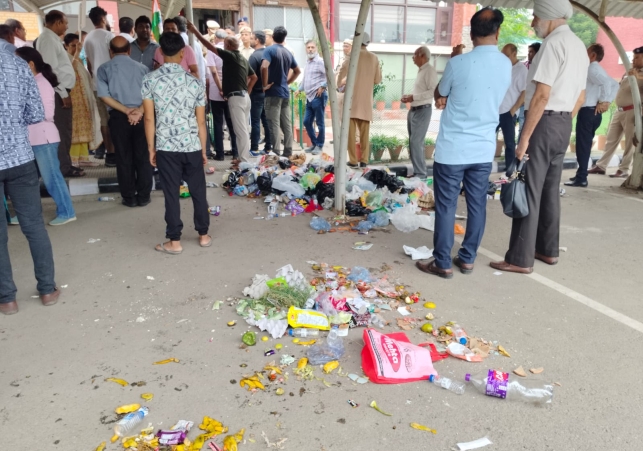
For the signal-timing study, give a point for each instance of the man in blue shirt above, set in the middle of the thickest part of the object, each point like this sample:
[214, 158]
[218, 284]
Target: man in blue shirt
[275, 67]
[7, 39]
[20, 106]
[471, 91]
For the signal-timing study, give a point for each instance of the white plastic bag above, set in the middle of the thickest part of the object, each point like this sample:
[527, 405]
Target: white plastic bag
[405, 220]
[285, 183]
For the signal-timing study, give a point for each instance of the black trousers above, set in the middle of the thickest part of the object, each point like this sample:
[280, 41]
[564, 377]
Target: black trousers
[63, 120]
[173, 168]
[507, 123]
[539, 231]
[220, 112]
[133, 167]
[587, 123]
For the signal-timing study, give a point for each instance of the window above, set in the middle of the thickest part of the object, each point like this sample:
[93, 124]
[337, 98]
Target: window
[388, 24]
[348, 19]
[420, 26]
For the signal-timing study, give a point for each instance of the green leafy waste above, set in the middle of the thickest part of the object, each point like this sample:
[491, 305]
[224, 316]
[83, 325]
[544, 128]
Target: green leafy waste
[275, 304]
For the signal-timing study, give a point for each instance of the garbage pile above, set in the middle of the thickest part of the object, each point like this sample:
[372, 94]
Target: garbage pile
[298, 187]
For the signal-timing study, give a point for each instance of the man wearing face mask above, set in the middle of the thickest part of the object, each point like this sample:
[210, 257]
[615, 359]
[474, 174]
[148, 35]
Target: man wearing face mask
[555, 92]
[314, 85]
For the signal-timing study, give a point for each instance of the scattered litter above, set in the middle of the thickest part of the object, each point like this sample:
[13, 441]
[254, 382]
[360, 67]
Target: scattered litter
[558, 384]
[353, 404]
[520, 371]
[150, 278]
[147, 396]
[374, 405]
[421, 253]
[563, 249]
[276, 445]
[503, 351]
[182, 320]
[419, 427]
[358, 379]
[127, 408]
[140, 319]
[163, 362]
[121, 382]
[403, 311]
[217, 305]
[64, 286]
[474, 444]
[497, 273]
[93, 240]
[101, 447]
[362, 246]
[537, 370]
[249, 338]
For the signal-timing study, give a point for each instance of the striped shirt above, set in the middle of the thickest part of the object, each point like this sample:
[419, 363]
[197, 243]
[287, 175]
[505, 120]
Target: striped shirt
[314, 77]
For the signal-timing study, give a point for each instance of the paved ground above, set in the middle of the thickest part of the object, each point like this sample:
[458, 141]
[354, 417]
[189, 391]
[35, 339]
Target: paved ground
[578, 320]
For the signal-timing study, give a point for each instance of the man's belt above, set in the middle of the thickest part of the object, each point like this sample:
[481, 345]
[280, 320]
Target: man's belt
[421, 107]
[237, 94]
[626, 108]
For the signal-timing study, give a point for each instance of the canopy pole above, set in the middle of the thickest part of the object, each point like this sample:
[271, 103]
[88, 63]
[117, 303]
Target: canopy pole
[635, 180]
[189, 15]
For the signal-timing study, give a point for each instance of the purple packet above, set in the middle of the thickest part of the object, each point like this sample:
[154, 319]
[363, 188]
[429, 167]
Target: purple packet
[171, 437]
[294, 207]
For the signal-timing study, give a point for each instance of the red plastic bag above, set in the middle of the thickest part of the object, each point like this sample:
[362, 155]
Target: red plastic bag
[393, 359]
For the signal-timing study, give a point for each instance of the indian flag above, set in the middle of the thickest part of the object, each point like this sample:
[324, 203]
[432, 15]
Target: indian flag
[157, 21]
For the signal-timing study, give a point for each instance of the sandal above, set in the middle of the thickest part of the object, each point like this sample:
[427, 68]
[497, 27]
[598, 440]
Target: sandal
[75, 172]
[208, 244]
[161, 248]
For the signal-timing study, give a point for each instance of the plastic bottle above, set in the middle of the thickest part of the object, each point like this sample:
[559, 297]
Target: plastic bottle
[302, 332]
[129, 421]
[332, 349]
[272, 209]
[497, 384]
[459, 334]
[456, 387]
[105, 199]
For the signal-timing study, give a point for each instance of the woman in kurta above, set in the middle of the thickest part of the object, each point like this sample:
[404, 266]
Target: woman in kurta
[84, 122]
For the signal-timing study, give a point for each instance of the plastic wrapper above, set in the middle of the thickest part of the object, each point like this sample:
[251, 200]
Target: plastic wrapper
[405, 219]
[328, 203]
[329, 178]
[307, 318]
[232, 180]
[366, 185]
[319, 224]
[331, 349]
[240, 190]
[310, 180]
[359, 274]
[374, 199]
[354, 193]
[379, 218]
[364, 226]
[325, 190]
[294, 207]
[285, 183]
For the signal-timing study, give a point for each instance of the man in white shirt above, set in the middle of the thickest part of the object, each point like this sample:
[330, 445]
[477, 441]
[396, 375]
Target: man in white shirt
[532, 50]
[600, 93]
[419, 118]
[555, 93]
[182, 25]
[53, 53]
[97, 51]
[513, 100]
[19, 33]
[126, 26]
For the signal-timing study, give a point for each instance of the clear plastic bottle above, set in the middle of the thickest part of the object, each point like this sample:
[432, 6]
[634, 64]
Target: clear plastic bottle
[498, 384]
[456, 387]
[130, 421]
[302, 332]
[272, 209]
[459, 334]
[332, 349]
[105, 199]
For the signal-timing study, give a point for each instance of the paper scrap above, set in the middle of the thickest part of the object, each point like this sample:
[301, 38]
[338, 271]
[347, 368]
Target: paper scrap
[562, 248]
[217, 305]
[150, 278]
[421, 253]
[497, 273]
[362, 246]
[403, 311]
[358, 379]
[474, 444]
[140, 319]
[93, 240]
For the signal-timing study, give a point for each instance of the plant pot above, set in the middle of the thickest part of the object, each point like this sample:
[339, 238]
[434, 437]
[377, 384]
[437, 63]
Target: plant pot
[307, 141]
[572, 147]
[429, 150]
[396, 104]
[602, 140]
[380, 105]
[500, 144]
[376, 155]
[395, 153]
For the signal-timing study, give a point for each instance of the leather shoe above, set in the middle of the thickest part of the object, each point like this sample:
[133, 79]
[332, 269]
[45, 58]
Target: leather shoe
[507, 267]
[619, 175]
[129, 203]
[575, 183]
[143, 202]
[572, 179]
[465, 268]
[596, 170]
[549, 260]
[431, 268]
[50, 299]
[9, 308]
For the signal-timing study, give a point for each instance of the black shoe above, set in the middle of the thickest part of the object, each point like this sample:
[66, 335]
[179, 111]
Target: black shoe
[351, 165]
[99, 153]
[572, 179]
[362, 165]
[129, 203]
[575, 183]
[221, 158]
[142, 203]
[110, 160]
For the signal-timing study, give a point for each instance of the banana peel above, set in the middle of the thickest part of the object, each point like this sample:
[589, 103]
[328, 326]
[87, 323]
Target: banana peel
[272, 368]
[122, 382]
[252, 383]
[230, 442]
[306, 343]
[163, 362]
[330, 366]
[419, 427]
[211, 425]
[302, 363]
[127, 408]
[101, 447]
[198, 442]
[147, 396]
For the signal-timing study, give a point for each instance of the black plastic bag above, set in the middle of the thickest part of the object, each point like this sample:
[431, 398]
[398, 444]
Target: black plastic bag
[325, 190]
[383, 179]
[233, 180]
[264, 182]
[355, 208]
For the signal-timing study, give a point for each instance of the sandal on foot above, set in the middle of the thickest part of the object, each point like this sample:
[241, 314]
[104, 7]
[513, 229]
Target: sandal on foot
[208, 244]
[161, 248]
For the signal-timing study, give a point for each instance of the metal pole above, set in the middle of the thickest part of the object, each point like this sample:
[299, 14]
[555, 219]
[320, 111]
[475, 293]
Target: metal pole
[189, 15]
[635, 179]
[340, 193]
[340, 163]
[301, 123]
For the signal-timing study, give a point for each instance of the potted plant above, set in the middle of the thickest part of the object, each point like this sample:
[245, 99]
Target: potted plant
[394, 146]
[378, 95]
[378, 146]
[429, 147]
[572, 142]
[396, 104]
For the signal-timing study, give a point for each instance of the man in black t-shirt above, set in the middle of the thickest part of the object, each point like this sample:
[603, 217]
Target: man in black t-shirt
[238, 80]
[257, 96]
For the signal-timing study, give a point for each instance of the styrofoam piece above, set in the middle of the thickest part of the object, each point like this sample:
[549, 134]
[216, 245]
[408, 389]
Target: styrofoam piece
[421, 253]
[474, 444]
[259, 288]
[275, 327]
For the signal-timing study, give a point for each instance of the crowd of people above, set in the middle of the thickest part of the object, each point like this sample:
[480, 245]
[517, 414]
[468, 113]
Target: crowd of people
[141, 105]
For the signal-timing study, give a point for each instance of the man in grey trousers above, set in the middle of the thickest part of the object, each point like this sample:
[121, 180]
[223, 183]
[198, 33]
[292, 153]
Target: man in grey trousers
[419, 117]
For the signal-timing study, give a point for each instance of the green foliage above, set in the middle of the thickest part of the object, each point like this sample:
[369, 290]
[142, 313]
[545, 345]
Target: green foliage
[378, 142]
[516, 28]
[378, 89]
[584, 27]
[572, 138]
[428, 141]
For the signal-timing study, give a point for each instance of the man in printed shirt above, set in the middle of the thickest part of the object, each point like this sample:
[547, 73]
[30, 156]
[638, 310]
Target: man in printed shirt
[314, 86]
[600, 93]
[419, 117]
[174, 111]
[20, 106]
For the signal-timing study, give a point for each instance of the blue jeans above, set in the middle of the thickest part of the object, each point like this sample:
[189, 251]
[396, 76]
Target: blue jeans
[257, 119]
[315, 113]
[447, 179]
[47, 159]
[21, 184]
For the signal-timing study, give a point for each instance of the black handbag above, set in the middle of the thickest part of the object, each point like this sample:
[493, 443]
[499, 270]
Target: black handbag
[513, 195]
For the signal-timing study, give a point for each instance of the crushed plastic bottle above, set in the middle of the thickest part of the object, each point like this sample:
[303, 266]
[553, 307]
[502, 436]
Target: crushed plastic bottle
[301, 332]
[459, 334]
[105, 199]
[130, 421]
[319, 224]
[272, 209]
[331, 349]
[379, 218]
[364, 226]
[456, 387]
[497, 384]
